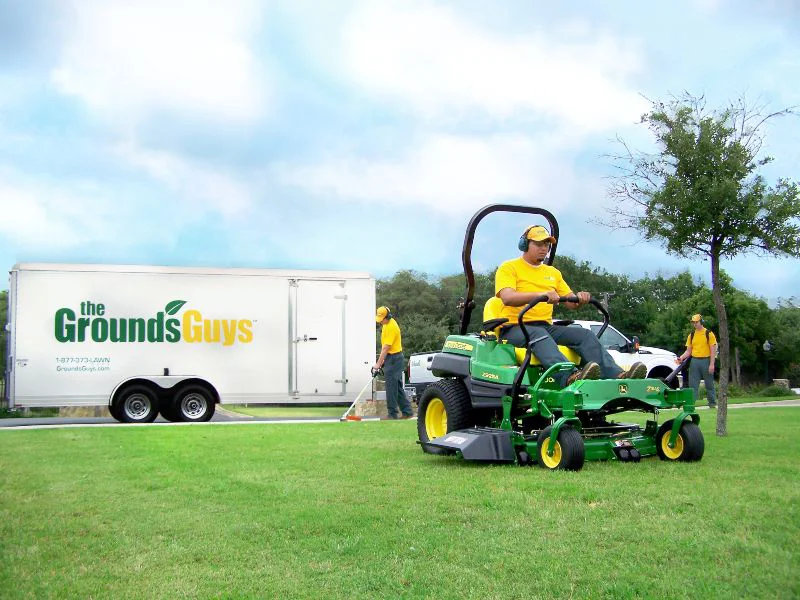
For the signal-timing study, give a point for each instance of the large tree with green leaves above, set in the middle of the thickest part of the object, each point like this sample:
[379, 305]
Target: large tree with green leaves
[701, 194]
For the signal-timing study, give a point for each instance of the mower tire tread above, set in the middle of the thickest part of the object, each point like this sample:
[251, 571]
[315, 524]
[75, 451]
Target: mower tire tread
[451, 397]
[570, 450]
[690, 446]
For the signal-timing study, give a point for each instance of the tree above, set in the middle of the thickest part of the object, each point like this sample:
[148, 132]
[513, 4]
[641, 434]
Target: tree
[701, 195]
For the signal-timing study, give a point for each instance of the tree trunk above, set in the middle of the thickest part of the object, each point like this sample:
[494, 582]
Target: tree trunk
[724, 348]
[737, 368]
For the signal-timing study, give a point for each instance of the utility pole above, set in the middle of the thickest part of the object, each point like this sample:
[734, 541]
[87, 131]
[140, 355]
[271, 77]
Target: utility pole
[606, 296]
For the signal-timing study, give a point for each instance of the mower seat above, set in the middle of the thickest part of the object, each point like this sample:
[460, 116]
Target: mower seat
[492, 321]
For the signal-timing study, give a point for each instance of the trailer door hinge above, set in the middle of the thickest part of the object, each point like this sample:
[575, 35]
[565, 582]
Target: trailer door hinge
[340, 381]
[341, 297]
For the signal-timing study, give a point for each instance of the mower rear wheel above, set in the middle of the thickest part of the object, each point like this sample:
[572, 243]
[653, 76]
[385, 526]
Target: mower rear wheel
[689, 446]
[568, 454]
[445, 406]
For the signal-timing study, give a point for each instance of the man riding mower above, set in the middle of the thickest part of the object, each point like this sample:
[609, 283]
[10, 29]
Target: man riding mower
[496, 402]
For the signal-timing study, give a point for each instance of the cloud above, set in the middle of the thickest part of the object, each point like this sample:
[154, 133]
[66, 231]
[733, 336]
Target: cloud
[429, 58]
[200, 187]
[129, 59]
[40, 215]
[448, 173]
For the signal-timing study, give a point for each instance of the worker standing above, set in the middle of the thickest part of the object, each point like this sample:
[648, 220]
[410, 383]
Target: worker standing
[391, 360]
[701, 345]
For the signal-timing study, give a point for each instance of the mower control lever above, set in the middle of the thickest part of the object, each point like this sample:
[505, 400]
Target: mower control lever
[570, 298]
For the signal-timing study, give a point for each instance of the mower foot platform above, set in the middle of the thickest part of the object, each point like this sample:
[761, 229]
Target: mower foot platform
[477, 443]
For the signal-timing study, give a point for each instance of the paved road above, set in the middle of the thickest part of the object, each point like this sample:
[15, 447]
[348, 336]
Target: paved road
[220, 416]
[224, 416]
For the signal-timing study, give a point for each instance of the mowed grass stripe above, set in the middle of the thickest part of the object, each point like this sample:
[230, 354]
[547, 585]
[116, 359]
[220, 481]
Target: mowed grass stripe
[356, 510]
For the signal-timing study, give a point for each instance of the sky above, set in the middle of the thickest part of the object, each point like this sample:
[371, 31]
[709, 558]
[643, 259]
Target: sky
[362, 135]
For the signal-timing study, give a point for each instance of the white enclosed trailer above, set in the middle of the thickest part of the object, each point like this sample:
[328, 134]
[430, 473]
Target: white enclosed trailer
[175, 340]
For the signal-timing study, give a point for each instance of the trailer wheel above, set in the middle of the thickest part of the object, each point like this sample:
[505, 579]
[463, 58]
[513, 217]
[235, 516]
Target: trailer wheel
[445, 406]
[569, 451]
[136, 404]
[193, 403]
[167, 410]
[113, 408]
[690, 445]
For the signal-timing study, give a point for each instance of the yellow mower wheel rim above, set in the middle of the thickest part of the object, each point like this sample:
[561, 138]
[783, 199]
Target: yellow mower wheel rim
[672, 453]
[551, 462]
[435, 419]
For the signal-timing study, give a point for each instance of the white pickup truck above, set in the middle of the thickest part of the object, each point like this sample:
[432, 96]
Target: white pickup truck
[625, 352]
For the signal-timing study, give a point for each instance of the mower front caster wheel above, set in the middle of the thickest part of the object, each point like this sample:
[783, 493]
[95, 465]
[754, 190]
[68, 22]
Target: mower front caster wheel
[568, 453]
[689, 446]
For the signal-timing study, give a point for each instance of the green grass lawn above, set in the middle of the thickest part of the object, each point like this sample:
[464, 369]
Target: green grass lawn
[356, 510]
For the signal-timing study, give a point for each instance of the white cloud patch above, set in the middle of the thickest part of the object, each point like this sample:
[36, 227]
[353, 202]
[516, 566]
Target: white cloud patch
[451, 174]
[428, 57]
[202, 187]
[127, 59]
[48, 216]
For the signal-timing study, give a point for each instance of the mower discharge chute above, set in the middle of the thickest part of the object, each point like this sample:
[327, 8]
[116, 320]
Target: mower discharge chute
[497, 403]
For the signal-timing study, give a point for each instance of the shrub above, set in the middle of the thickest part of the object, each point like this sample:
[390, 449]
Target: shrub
[793, 374]
[774, 391]
[737, 391]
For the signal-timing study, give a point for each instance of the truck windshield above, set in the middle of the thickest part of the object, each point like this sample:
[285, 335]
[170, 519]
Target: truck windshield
[611, 338]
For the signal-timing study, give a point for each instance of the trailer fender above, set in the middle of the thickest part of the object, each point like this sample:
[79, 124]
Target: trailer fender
[162, 384]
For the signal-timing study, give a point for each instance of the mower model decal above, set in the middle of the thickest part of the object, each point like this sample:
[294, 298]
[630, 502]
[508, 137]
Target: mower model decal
[654, 388]
[623, 388]
[490, 376]
[458, 345]
[455, 439]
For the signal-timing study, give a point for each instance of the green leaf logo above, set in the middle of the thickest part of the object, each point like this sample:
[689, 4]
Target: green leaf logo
[174, 306]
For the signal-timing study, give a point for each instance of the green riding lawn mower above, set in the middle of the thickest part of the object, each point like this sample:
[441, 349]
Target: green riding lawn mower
[496, 403]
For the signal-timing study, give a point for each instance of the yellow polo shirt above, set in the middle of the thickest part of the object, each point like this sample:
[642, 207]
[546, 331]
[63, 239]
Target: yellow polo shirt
[390, 335]
[522, 276]
[700, 347]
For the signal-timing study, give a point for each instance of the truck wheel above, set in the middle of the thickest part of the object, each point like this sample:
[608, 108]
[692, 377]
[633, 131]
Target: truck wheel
[136, 404]
[445, 406]
[569, 451]
[193, 403]
[689, 446]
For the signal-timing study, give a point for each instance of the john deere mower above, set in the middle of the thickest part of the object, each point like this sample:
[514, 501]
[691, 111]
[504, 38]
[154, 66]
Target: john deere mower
[497, 403]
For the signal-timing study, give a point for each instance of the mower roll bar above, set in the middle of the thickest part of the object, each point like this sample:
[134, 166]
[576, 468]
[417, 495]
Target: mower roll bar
[466, 253]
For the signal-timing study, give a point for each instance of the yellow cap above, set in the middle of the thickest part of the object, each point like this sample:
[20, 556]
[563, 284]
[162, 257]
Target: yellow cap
[537, 233]
[382, 313]
[696, 318]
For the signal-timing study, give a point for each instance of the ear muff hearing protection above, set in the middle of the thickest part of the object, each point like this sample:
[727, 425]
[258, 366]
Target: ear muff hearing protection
[523, 242]
[382, 313]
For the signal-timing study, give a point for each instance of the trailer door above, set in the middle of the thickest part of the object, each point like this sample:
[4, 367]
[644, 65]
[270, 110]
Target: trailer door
[318, 338]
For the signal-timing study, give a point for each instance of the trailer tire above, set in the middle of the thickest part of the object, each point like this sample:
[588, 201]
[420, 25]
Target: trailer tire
[113, 408]
[689, 447]
[168, 411]
[136, 404]
[445, 406]
[569, 453]
[193, 403]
